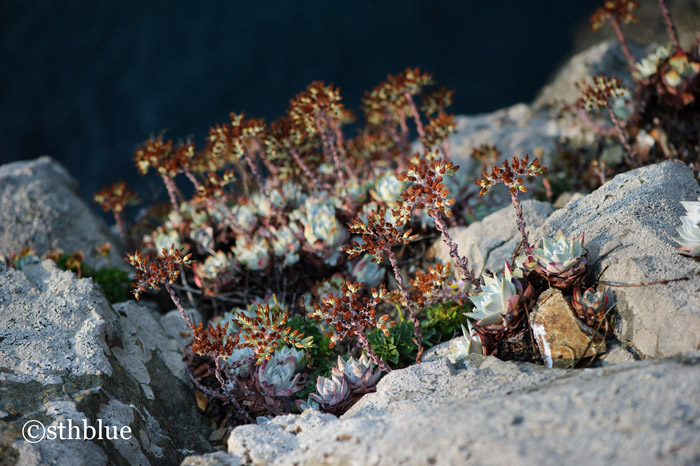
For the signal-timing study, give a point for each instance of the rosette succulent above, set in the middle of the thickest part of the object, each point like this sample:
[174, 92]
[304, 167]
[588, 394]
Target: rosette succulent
[560, 261]
[238, 361]
[252, 253]
[461, 347]
[277, 376]
[322, 230]
[649, 65]
[24, 258]
[358, 374]
[285, 243]
[332, 394]
[589, 304]
[165, 237]
[368, 272]
[245, 216]
[689, 231]
[388, 188]
[498, 297]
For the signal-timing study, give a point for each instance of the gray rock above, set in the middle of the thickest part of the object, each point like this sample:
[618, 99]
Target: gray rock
[605, 57]
[66, 354]
[637, 214]
[495, 412]
[515, 130]
[40, 208]
[491, 241]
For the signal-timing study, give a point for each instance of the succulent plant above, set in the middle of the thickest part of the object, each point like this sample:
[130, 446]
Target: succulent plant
[689, 231]
[649, 65]
[368, 272]
[681, 68]
[309, 403]
[560, 261]
[213, 265]
[285, 352]
[322, 230]
[498, 297]
[237, 360]
[285, 244]
[277, 376]
[24, 258]
[164, 237]
[358, 374]
[253, 253]
[589, 305]
[387, 188]
[461, 347]
[245, 216]
[332, 394]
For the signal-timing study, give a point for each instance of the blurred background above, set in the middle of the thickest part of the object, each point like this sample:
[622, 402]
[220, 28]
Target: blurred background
[85, 81]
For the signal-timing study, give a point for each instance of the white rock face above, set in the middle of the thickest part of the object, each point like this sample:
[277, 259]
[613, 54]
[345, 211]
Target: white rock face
[495, 412]
[490, 242]
[40, 208]
[637, 214]
[65, 353]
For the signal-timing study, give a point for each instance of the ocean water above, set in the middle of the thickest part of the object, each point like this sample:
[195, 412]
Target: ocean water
[85, 82]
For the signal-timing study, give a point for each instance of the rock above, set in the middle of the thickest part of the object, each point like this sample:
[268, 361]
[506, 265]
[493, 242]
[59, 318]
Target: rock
[516, 130]
[565, 198]
[562, 339]
[219, 458]
[40, 208]
[637, 214]
[605, 57]
[491, 241]
[66, 354]
[495, 412]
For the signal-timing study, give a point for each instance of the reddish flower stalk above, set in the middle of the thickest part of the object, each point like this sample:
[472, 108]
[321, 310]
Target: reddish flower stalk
[415, 114]
[623, 44]
[156, 271]
[409, 304]
[305, 169]
[670, 25]
[115, 198]
[428, 191]
[618, 12]
[511, 175]
[349, 314]
[378, 236]
[461, 262]
[599, 95]
[620, 131]
[519, 219]
[172, 190]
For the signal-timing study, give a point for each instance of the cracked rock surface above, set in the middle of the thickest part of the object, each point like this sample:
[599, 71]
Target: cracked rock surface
[494, 412]
[40, 209]
[66, 354]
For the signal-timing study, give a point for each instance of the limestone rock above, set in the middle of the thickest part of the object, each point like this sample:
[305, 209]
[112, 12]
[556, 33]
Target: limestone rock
[637, 214]
[494, 412]
[515, 130]
[66, 354]
[491, 241]
[562, 339]
[605, 57]
[40, 208]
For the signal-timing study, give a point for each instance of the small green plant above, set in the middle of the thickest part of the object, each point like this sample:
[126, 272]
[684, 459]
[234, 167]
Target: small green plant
[398, 348]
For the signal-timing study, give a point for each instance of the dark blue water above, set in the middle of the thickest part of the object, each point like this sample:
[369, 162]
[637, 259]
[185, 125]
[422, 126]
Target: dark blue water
[85, 81]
